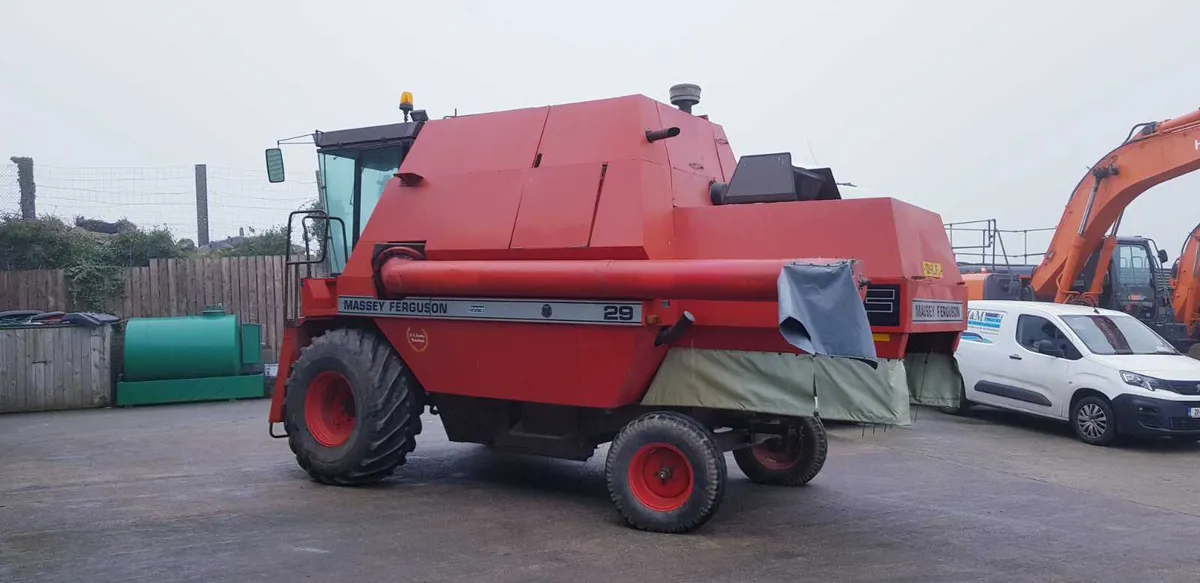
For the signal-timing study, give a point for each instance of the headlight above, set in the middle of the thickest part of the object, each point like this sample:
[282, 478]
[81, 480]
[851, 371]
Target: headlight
[1149, 383]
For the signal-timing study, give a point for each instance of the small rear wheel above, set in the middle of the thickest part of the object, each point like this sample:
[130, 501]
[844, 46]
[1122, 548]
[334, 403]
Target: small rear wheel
[792, 459]
[665, 473]
[353, 410]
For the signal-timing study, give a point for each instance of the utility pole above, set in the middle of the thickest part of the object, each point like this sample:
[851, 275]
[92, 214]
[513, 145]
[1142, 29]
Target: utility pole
[201, 205]
[28, 188]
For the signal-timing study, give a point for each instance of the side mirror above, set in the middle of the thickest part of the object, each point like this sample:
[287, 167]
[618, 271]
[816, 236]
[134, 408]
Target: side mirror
[1162, 256]
[275, 165]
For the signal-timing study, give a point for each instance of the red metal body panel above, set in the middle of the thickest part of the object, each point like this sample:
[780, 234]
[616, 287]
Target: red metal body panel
[632, 223]
[573, 201]
[586, 366]
[699, 155]
[548, 220]
[478, 143]
[892, 239]
[595, 132]
[889, 237]
[289, 349]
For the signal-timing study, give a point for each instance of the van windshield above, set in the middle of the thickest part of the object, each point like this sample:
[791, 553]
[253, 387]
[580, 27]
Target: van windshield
[1108, 334]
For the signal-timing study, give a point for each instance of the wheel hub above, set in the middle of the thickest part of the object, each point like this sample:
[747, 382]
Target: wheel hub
[329, 409]
[1092, 421]
[779, 453]
[661, 477]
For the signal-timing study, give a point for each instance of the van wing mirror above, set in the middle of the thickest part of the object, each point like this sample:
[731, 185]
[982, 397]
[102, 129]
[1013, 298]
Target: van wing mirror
[275, 171]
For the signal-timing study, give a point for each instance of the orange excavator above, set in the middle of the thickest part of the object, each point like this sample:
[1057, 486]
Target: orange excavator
[1086, 263]
[1185, 283]
[1153, 153]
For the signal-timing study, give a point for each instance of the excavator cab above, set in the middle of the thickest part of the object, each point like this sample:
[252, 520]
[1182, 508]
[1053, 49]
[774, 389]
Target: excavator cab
[1137, 282]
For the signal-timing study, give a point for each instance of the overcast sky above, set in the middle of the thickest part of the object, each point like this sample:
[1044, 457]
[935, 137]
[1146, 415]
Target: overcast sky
[972, 109]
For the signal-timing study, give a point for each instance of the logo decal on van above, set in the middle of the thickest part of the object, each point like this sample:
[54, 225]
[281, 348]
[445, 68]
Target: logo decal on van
[985, 322]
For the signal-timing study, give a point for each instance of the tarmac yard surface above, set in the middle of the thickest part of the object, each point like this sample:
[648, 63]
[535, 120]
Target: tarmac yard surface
[201, 493]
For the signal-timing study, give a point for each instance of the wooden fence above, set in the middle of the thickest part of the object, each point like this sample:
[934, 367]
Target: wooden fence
[251, 287]
[33, 290]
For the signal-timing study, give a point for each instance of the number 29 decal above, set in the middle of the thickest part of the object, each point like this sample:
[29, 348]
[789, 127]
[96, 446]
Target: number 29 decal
[618, 313]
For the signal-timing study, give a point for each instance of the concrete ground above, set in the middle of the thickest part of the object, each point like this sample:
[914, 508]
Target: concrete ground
[201, 493]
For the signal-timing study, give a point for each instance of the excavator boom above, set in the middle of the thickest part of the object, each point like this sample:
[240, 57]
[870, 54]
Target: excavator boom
[1187, 285]
[1154, 153]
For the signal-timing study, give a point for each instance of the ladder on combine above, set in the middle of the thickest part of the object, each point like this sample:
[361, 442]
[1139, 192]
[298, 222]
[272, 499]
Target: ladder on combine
[314, 224]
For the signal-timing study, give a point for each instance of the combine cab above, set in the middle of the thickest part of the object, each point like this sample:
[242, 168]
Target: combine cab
[551, 279]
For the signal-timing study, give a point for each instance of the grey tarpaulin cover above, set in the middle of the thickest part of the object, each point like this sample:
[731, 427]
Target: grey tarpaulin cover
[821, 311]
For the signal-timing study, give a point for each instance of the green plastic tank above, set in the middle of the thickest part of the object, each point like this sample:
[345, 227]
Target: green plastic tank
[208, 345]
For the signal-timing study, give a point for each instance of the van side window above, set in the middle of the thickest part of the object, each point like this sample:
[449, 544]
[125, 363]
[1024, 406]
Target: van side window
[1031, 329]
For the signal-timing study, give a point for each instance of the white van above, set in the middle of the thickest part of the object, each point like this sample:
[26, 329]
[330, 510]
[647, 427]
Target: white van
[1102, 370]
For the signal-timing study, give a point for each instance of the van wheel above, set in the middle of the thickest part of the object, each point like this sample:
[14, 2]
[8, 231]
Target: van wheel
[1093, 421]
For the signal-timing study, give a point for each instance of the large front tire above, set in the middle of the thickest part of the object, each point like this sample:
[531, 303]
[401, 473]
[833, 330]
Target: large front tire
[792, 459]
[353, 410]
[665, 473]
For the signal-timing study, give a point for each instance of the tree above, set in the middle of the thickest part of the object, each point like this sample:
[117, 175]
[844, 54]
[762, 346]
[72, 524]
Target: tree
[273, 241]
[46, 243]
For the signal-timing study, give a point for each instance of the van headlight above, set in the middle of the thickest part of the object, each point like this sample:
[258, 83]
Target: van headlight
[1143, 381]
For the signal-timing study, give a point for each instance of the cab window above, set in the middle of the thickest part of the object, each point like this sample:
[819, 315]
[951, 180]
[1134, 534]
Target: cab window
[1032, 329]
[353, 181]
[1135, 278]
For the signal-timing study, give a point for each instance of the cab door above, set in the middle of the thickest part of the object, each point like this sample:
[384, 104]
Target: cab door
[1034, 378]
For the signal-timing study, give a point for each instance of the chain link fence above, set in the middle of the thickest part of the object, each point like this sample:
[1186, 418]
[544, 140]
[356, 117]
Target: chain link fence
[239, 202]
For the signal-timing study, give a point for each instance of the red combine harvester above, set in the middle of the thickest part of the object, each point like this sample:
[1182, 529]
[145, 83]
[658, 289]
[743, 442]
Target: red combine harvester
[551, 279]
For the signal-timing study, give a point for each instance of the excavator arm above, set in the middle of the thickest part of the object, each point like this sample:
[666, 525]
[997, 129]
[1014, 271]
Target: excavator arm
[1187, 284]
[1153, 153]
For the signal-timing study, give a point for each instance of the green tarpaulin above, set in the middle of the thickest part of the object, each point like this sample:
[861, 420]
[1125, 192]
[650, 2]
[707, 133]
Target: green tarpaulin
[842, 389]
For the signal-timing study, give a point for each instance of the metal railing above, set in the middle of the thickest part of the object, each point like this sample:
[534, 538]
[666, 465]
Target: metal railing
[295, 271]
[982, 242]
